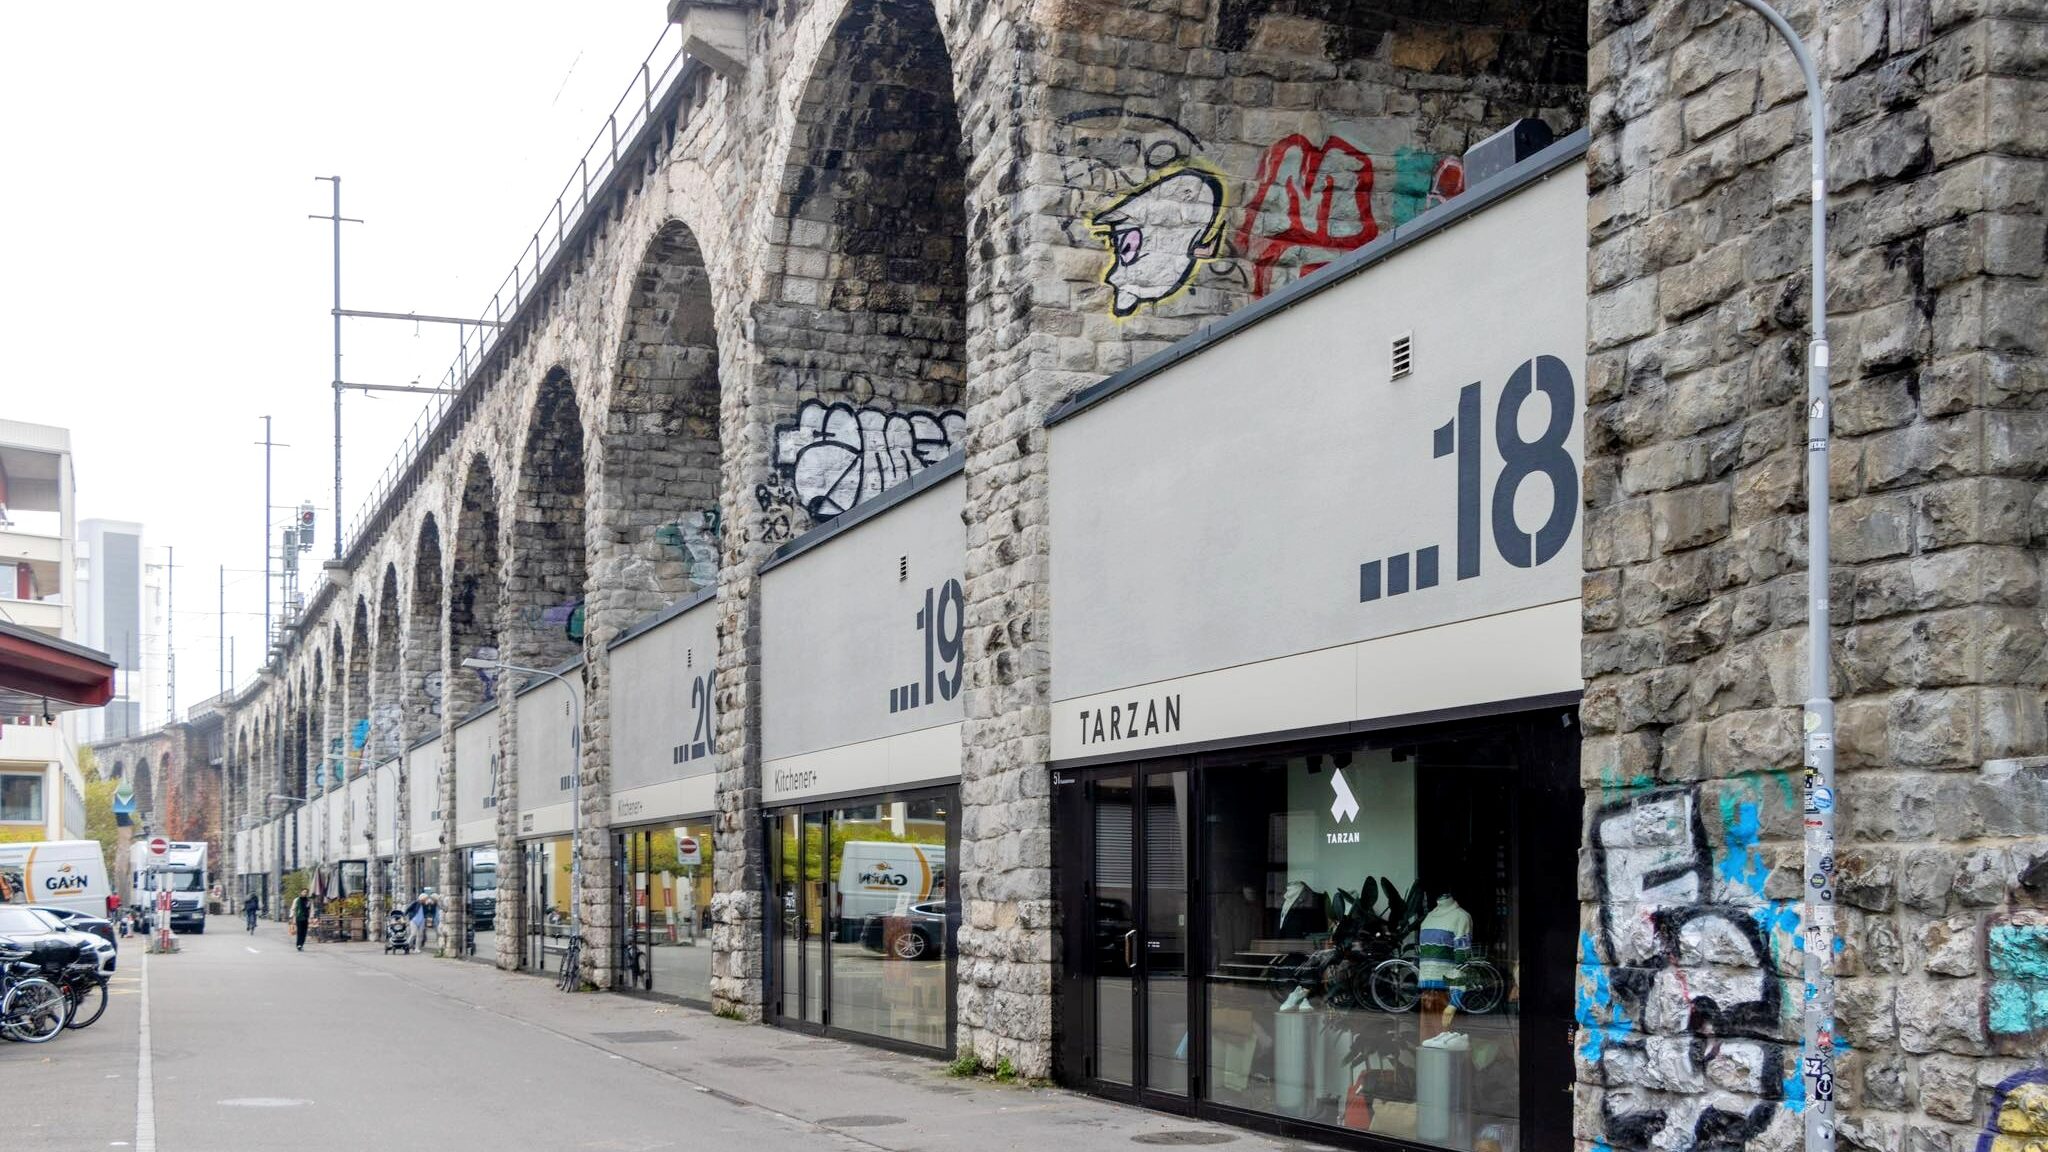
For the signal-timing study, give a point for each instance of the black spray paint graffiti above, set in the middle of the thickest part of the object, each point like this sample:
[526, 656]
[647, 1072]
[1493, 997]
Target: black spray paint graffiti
[833, 456]
[1681, 1010]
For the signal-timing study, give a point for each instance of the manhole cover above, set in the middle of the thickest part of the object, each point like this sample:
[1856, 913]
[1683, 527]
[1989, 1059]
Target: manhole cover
[262, 1102]
[1183, 1136]
[860, 1121]
[751, 1062]
[653, 1036]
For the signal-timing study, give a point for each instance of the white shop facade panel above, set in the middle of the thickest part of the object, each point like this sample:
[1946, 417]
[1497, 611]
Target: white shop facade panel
[863, 647]
[385, 822]
[423, 789]
[476, 775]
[546, 758]
[664, 716]
[1315, 580]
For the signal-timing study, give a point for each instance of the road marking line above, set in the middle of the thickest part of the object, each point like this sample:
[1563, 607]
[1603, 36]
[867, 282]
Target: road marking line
[251, 951]
[145, 1095]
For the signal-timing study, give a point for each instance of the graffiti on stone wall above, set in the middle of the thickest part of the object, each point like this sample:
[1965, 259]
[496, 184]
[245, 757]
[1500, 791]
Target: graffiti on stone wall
[1137, 184]
[1423, 180]
[2019, 1114]
[694, 539]
[833, 456]
[1159, 235]
[430, 690]
[1683, 1014]
[1310, 204]
[488, 677]
[2016, 951]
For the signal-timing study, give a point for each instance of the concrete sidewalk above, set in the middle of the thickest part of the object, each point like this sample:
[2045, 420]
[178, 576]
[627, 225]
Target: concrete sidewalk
[830, 1088]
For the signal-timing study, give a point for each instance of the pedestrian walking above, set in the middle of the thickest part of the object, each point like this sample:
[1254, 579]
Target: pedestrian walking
[430, 915]
[416, 921]
[302, 915]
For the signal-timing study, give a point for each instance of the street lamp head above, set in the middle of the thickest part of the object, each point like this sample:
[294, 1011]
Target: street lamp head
[480, 662]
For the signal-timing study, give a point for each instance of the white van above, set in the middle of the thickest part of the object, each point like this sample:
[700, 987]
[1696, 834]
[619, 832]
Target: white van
[58, 873]
[878, 877]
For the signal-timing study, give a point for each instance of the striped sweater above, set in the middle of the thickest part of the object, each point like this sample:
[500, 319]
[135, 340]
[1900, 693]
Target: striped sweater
[1446, 945]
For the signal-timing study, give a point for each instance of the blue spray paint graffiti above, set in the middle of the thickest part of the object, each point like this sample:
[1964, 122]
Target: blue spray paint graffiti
[2016, 947]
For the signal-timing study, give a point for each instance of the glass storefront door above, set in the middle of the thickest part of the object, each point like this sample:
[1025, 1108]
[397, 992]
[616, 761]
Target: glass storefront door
[548, 892]
[863, 924]
[665, 898]
[1126, 831]
[1348, 937]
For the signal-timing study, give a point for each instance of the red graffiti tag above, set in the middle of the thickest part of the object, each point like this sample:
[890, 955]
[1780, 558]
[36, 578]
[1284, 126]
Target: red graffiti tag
[1308, 197]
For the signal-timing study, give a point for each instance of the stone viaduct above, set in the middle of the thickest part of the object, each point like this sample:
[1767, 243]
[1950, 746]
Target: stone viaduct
[971, 208]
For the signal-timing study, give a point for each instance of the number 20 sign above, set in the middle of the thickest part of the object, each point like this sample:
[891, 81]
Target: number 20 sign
[1480, 515]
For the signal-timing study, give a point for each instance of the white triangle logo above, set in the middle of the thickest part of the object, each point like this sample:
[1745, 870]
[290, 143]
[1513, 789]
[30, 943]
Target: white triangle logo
[1345, 807]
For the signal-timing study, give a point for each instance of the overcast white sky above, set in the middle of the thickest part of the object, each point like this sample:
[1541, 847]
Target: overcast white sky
[163, 288]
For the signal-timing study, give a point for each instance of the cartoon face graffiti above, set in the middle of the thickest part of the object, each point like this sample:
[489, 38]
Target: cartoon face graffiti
[1158, 234]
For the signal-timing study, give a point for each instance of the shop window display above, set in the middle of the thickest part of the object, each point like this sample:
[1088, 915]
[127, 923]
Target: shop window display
[1361, 963]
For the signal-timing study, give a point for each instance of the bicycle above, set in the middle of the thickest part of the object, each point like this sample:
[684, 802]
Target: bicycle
[32, 1008]
[85, 986]
[250, 917]
[572, 953]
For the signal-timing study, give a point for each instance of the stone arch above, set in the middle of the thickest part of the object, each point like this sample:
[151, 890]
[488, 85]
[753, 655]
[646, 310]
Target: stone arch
[117, 771]
[543, 610]
[359, 724]
[386, 689]
[657, 449]
[863, 323]
[317, 760]
[420, 651]
[473, 593]
[145, 789]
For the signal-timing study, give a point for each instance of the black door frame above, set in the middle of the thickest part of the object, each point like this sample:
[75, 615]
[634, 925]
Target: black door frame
[1074, 790]
[772, 976]
[1548, 797]
[622, 910]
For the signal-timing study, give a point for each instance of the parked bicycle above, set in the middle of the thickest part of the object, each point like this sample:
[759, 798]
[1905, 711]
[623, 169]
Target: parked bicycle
[33, 1008]
[85, 991]
[572, 955]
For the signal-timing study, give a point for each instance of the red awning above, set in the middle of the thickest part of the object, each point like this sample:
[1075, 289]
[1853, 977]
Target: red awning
[40, 673]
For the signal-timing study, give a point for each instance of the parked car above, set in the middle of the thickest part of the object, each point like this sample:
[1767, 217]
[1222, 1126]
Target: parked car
[918, 933]
[71, 918]
[25, 926]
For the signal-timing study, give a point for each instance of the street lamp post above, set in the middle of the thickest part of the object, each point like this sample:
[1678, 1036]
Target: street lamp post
[1817, 1019]
[575, 780]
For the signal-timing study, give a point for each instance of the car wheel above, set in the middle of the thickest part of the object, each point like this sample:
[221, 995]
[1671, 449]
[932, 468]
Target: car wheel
[910, 944]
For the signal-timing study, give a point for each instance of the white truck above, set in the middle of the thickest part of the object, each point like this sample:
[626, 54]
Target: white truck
[55, 873]
[183, 870]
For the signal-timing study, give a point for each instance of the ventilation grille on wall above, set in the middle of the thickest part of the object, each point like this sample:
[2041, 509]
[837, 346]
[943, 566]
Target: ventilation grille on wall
[568, 782]
[903, 568]
[1404, 356]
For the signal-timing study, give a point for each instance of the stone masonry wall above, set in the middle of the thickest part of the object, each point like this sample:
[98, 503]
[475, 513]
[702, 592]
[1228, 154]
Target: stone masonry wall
[1689, 984]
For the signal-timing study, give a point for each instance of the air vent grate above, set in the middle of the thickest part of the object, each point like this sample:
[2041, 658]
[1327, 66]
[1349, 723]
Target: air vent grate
[903, 568]
[1404, 356]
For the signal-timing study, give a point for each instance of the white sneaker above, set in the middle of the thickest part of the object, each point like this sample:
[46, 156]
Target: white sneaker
[1296, 1001]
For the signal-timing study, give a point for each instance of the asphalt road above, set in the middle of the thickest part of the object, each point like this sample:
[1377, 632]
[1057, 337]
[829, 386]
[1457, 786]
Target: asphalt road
[252, 1046]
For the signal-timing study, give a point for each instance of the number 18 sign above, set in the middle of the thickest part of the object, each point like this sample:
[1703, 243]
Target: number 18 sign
[1527, 517]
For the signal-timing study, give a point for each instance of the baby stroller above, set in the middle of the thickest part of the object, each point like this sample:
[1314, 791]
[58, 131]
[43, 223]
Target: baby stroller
[397, 933]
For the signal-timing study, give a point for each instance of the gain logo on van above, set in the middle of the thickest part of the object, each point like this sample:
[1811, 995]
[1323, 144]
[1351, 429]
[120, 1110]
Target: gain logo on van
[883, 875]
[66, 880]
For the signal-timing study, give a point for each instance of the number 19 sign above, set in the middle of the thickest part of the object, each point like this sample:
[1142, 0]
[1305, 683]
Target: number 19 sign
[941, 626]
[1548, 455]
